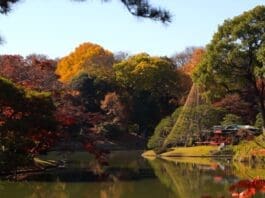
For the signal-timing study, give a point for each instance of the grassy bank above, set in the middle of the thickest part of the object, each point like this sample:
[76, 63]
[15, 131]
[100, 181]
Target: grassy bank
[196, 151]
[246, 151]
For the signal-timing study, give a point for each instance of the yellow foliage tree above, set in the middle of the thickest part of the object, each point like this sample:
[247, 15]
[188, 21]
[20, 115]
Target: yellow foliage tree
[87, 58]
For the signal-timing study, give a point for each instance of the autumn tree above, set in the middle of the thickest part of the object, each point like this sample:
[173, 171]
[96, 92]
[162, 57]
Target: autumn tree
[9, 64]
[87, 58]
[113, 107]
[235, 58]
[194, 60]
[67, 107]
[116, 116]
[27, 124]
[237, 105]
[183, 57]
[34, 71]
[186, 62]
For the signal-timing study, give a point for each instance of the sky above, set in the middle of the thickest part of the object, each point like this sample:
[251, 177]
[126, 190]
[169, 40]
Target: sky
[56, 27]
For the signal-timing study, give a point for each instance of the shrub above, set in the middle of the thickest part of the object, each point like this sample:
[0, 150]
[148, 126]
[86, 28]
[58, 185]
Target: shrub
[163, 129]
[161, 132]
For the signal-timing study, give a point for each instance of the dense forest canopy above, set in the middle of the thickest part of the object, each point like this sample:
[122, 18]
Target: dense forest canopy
[92, 97]
[234, 60]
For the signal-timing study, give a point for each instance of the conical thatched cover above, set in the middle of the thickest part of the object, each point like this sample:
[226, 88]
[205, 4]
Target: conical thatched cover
[187, 124]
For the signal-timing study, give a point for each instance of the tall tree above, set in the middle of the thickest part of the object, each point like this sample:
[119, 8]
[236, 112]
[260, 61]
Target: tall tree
[145, 73]
[235, 58]
[87, 58]
[149, 85]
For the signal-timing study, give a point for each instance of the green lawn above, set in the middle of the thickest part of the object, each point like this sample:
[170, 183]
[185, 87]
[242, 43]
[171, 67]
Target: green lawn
[195, 151]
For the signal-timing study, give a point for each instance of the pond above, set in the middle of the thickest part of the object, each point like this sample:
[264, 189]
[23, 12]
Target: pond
[128, 175]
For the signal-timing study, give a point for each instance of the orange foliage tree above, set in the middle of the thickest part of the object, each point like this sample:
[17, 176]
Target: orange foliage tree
[186, 62]
[87, 58]
[195, 59]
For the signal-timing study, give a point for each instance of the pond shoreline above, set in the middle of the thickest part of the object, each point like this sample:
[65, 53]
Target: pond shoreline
[194, 152]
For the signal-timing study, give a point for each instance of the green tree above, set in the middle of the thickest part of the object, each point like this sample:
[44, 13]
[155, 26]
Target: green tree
[235, 58]
[147, 85]
[162, 130]
[142, 73]
[92, 90]
[231, 119]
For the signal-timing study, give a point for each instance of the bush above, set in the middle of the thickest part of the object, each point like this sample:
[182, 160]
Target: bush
[163, 129]
[161, 132]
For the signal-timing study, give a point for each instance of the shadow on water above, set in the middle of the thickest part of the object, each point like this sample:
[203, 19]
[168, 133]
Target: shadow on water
[127, 176]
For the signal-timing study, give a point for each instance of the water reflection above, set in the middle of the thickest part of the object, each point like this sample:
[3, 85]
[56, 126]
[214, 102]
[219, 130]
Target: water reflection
[118, 189]
[193, 180]
[130, 176]
[201, 177]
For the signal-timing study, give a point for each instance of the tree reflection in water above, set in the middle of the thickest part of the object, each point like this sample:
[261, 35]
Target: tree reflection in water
[127, 176]
[131, 176]
[41, 190]
[199, 178]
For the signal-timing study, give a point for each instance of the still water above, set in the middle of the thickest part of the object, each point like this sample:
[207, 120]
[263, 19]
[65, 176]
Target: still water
[131, 176]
